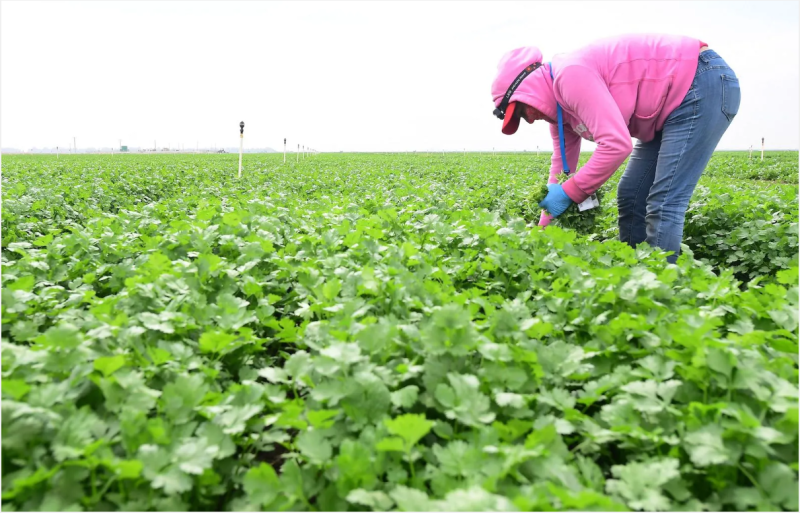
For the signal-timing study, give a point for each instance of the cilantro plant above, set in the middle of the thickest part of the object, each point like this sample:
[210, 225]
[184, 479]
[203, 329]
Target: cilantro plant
[584, 223]
[378, 332]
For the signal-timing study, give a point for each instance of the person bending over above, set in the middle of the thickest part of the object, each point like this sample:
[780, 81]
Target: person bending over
[673, 94]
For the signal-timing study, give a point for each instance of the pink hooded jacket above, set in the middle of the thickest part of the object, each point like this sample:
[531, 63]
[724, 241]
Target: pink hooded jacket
[609, 91]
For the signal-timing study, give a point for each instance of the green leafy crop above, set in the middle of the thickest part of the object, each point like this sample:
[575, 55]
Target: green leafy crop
[584, 223]
[382, 332]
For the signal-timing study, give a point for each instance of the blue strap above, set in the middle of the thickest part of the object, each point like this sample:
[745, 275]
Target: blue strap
[560, 128]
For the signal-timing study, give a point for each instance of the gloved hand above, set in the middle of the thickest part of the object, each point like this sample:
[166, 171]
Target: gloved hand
[545, 219]
[556, 202]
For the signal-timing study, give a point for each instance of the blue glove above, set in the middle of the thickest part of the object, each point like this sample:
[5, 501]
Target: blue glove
[557, 201]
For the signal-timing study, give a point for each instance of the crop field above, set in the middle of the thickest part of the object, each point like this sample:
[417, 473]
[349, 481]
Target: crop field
[390, 332]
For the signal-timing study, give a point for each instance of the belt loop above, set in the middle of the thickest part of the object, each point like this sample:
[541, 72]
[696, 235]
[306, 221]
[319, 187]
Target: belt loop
[704, 58]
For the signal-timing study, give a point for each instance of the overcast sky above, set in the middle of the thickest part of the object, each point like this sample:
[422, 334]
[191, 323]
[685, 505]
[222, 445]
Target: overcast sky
[358, 76]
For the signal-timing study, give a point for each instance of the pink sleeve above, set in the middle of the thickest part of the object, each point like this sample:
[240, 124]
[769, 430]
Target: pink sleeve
[585, 93]
[572, 142]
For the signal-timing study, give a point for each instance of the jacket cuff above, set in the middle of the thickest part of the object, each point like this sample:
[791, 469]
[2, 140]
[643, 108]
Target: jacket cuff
[574, 192]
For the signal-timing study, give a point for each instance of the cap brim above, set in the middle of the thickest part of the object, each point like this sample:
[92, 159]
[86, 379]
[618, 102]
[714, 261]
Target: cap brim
[511, 119]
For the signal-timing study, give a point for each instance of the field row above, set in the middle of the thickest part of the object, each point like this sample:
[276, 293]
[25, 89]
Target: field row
[386, 332]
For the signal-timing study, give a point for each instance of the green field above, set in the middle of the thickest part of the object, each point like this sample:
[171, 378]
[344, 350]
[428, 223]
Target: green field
[390, 332]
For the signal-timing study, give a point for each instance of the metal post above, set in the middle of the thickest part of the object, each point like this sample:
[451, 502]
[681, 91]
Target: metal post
[298, 153]
[241, 141]
[762, 149]
[284, 150]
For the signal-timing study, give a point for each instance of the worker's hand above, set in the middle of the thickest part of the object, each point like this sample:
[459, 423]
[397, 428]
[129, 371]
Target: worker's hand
[556, 202]
[545, 219]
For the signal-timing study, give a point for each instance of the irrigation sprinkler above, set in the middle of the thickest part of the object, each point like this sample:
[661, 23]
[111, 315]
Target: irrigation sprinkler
[284, 150]
[241, 141]
[762, 149]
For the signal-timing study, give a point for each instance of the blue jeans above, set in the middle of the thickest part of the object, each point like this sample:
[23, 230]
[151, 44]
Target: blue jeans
[661, 175]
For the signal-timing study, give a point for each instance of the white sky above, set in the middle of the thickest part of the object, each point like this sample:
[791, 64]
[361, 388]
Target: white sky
[352, 76]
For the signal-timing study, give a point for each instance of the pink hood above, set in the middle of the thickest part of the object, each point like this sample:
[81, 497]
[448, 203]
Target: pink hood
[610, 91]
[536, 90]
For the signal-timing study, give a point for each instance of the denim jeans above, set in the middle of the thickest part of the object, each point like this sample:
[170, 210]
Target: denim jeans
[661, 175]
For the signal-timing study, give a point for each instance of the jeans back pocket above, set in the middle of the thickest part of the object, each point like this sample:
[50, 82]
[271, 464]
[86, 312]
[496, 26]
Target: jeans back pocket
[731, 96]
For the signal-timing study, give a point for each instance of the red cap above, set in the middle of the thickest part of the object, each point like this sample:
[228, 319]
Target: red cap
[511, 119]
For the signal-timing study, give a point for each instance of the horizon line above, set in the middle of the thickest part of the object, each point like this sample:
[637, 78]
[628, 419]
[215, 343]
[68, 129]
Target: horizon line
[15, 151]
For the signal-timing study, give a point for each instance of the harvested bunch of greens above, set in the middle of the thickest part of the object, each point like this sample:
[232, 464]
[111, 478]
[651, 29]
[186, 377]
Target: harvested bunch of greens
[536, 197]
[582, 222]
